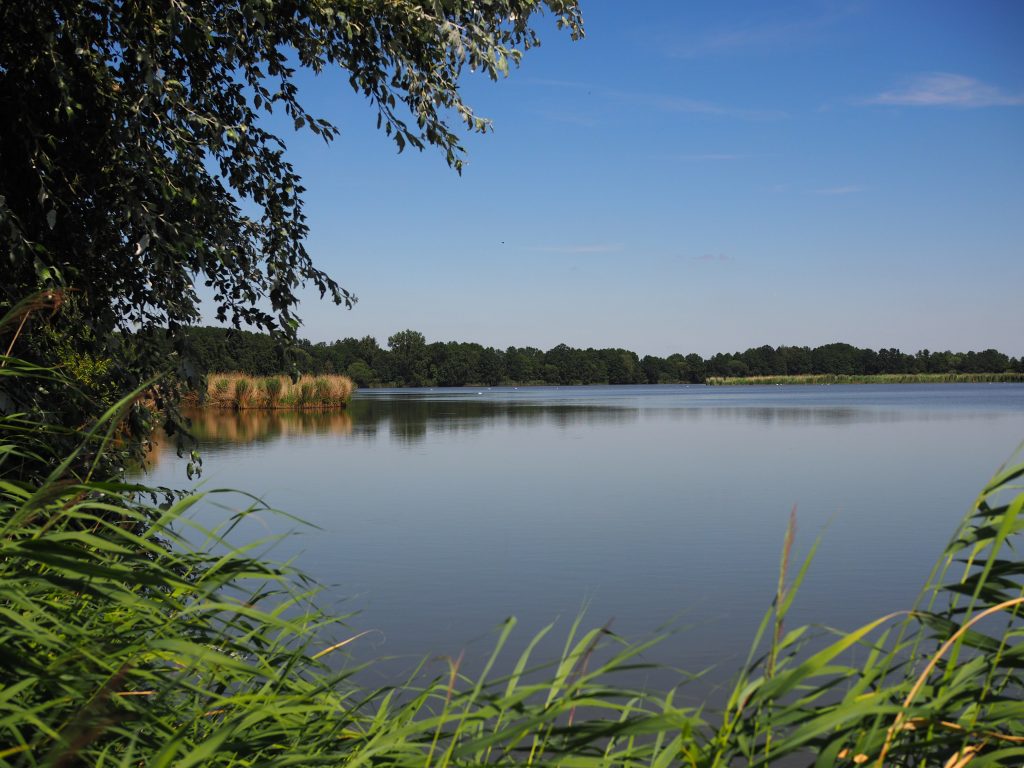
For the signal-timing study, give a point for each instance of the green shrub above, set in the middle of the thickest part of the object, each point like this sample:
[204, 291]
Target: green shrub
[218, 393]
[306, 394]
[272, 387]
[323, 394]
[243, 392]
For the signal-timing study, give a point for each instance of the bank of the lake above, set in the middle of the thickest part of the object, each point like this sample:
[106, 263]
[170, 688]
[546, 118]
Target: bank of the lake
[881, 378]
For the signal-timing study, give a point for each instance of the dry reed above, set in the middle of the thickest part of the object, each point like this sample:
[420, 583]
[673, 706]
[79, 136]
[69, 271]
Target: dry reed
[240, 391]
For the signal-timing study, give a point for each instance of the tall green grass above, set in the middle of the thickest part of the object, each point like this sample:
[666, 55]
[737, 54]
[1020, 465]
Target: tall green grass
[244, 390]
[130, 635]
[272, 388]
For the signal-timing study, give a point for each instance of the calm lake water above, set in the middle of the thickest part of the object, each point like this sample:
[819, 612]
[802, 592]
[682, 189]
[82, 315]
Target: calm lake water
[440, 512]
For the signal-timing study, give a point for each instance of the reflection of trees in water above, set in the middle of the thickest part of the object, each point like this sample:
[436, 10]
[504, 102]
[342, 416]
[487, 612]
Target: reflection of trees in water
[409, 420]
[406, 420]
[153, 450]
[215, 428]
[816, 415]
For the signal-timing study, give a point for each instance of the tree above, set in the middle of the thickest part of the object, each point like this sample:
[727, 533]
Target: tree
[838, 358]
[135, 160]
[695, 367]
[361, 373]
[524, 365]
[656, 369]
[451, 363]
[993, 360]
[492, 366]
[566, 365]
[622, 367]
[409, 355]
[796, 360]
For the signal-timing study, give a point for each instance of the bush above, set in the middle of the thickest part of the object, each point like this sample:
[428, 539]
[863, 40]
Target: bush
[272, 387]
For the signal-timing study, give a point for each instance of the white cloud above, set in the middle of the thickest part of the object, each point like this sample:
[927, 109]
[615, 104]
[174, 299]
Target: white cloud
[943, 89]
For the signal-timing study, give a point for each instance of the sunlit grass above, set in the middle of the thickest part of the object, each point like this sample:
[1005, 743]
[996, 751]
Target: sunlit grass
[241, 392]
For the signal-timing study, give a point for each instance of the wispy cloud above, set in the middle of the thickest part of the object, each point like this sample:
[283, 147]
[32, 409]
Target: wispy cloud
[571, 118]
[577, 248]
[667, 102]
[944, 89]
[847, 189]
[768, 34]
[578, 84]
[664, 102]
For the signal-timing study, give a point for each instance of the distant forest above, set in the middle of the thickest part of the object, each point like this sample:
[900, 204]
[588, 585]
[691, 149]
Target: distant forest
[409, 360]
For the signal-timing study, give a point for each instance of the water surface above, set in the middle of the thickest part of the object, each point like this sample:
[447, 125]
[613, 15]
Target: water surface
[441, 512]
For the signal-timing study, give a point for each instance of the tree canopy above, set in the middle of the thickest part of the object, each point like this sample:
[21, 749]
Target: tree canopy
[410, 360]
[135, 158]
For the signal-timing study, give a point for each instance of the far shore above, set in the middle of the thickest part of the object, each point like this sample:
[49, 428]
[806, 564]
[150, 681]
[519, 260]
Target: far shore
[882, 378]
[719, 381]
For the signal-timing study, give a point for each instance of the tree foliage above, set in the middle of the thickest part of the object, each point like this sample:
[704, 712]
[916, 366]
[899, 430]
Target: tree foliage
[136, 161]
[409, 360]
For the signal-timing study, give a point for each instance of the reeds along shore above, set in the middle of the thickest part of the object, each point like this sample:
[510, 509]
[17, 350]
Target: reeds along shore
[239, 391]
[884, 378]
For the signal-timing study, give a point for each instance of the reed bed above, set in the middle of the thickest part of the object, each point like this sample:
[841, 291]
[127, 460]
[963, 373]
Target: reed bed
[883, 378]
[240, 391]
[124, 642]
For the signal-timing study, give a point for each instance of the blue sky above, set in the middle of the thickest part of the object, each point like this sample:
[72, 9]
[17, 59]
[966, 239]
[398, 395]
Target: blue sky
[699, 177]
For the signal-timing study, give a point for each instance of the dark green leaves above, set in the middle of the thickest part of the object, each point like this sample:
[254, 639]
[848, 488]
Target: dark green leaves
[137, 127]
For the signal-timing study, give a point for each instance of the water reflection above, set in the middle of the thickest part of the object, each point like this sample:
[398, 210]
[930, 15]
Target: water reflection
[219, 427]
[410, 419]
[439, 514]
[821, 416]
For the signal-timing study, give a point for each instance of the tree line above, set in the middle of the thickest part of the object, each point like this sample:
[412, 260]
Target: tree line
[409, 360]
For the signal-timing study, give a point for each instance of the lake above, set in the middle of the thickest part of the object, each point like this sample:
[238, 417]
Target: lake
[440, 512]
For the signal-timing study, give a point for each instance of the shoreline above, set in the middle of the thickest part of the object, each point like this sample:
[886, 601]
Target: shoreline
[884, 378]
